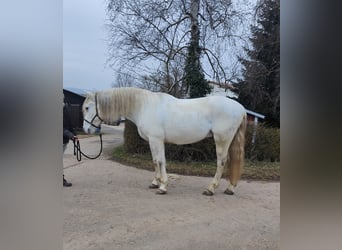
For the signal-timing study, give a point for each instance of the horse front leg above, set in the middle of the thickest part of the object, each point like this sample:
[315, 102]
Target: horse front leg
[158, 154]
[161, 178]
[156, 180]
[164, 179]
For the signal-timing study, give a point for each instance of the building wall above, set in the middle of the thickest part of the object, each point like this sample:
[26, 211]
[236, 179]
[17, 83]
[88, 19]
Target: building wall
[75, 103]
[250, 119]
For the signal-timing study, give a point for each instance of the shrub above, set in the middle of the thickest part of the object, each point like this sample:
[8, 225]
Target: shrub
[266, 146]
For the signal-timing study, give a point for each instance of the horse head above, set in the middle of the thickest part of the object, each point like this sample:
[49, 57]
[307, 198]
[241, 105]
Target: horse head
[91, 116]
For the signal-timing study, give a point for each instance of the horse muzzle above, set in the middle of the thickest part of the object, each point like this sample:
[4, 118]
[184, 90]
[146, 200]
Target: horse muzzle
[97, 131]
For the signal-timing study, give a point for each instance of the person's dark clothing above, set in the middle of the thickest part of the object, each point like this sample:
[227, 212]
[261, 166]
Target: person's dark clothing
[66, 183]
[68, 131]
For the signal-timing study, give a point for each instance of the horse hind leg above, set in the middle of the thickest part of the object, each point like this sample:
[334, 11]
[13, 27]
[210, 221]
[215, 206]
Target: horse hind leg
[234, 169]
[235, 163]
[236, 155]
[222, 158]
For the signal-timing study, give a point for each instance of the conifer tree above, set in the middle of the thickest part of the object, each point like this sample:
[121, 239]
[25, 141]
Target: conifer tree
[259, 90]
[194, 77]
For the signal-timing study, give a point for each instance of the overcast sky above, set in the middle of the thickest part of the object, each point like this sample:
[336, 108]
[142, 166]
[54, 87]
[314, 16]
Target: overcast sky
[85, 48]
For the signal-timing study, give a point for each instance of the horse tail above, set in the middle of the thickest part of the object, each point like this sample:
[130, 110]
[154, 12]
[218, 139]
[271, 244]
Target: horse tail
[237, 153]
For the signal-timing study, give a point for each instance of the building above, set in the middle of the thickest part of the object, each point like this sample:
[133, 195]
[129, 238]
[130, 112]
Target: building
[253, 117]
[74, 98]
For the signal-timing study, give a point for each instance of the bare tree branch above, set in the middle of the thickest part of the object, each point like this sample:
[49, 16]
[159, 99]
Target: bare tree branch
[146, 32]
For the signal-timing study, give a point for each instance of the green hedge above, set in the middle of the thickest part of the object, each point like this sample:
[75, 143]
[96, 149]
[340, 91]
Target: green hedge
[265, 148]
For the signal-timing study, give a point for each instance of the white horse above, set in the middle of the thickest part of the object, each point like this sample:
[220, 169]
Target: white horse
[162, 118]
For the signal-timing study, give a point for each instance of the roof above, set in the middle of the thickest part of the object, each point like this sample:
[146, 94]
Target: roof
[255, 114]
[80, 92]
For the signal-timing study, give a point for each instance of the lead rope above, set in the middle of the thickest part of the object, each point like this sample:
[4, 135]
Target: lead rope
[79, 153]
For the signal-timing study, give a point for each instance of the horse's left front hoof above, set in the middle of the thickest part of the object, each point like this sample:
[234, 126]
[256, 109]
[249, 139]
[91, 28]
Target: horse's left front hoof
[229, 192]
[207, 193]
[153, 186]
[160, 191]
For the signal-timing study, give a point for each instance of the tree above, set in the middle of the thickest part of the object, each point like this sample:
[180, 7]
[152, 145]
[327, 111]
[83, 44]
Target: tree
[194, 79]
[165, 34]
[259, 90]
[123, 79]
[194, 76]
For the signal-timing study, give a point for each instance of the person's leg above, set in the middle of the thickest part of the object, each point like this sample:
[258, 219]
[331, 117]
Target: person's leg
[65, 182]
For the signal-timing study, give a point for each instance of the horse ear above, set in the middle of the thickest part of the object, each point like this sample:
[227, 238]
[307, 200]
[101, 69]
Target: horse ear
[91, 95]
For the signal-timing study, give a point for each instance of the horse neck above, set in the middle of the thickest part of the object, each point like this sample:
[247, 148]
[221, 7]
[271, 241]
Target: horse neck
[124, 102]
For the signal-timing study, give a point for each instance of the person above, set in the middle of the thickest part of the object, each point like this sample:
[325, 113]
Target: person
[68, 134]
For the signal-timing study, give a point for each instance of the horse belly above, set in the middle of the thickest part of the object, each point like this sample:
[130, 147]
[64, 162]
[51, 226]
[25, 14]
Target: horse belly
[185, 135]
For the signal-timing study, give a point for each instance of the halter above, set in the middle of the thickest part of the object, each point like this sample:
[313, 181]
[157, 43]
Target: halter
[77, 146]
[96, 115]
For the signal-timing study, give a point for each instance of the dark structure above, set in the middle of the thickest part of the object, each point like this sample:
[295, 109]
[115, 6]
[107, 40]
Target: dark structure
[74, 98]
[254, 117]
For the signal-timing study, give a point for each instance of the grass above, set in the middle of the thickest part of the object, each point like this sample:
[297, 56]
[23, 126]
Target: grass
[264, 171]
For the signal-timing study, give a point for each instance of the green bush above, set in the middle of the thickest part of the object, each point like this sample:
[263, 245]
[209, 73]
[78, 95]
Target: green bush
[265, 148]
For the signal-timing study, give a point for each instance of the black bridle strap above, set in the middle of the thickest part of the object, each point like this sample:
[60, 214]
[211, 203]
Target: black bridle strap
[91, 122]
[77, 147]
[97, 111]
[79, 153]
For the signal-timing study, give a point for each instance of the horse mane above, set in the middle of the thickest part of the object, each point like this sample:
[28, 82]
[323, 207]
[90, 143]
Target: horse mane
[118, 102]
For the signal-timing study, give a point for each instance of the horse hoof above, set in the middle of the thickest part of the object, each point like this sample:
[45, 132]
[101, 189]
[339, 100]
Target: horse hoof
[229, 192]
[153, 186]
[159, 191]
[208, 193]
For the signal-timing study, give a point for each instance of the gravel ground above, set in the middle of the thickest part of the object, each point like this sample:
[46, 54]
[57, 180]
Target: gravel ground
[110, 207]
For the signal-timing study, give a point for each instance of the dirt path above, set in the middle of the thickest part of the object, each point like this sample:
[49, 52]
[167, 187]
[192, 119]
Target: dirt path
[110, 207]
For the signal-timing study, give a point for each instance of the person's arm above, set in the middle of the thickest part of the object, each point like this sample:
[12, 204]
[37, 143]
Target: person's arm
[69, 134]
[68, 130]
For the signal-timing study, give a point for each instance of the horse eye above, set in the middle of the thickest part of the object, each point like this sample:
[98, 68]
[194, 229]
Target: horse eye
[86, 108]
